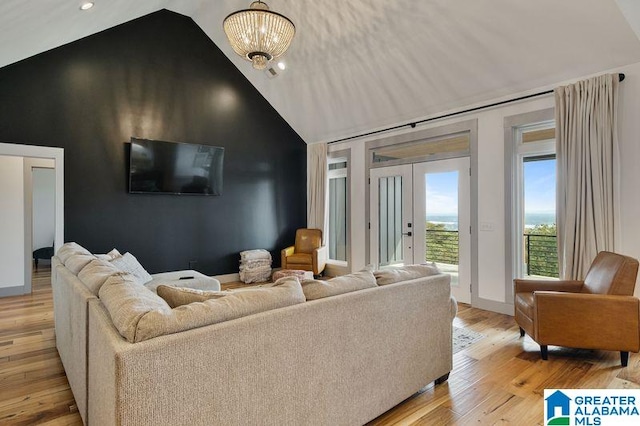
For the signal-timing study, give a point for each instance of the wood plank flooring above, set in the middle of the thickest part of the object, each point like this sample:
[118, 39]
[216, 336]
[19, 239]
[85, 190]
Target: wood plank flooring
[498, 380]
[33, 386]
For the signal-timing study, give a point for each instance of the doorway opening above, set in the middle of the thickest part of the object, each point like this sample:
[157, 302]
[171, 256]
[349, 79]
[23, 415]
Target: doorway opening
[420, 213]
[16, 223]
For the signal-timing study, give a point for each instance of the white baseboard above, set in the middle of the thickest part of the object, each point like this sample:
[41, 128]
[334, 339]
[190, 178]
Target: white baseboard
[492, 305]
[12, 291]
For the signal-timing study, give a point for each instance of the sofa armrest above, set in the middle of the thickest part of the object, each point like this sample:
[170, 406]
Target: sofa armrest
[589, 321]
[283, 255]
[529, 286]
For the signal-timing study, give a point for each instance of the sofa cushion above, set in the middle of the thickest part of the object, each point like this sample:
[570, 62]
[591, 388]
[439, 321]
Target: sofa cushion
[96, 273]
[269, 294]
[317, 289]
[69, 249]
[76, 262]
[128, 263]
[128, 302]
[139, 314]
[405, 273]
[298, 259]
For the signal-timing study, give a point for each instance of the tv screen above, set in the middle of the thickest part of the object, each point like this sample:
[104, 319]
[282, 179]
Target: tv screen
[160, 167]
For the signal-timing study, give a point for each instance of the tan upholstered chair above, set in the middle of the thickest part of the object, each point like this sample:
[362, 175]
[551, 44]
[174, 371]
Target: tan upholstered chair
[307, 254]
[597, 313]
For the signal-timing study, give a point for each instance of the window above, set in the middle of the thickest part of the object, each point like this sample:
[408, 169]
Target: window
[535, 202]
[452, 145]
[337, 209]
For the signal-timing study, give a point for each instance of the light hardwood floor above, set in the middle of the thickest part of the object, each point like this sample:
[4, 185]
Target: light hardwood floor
[498, 380]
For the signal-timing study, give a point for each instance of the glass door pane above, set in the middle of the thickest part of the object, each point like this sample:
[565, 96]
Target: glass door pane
[390, 223]
[442, 220]
[441, 215]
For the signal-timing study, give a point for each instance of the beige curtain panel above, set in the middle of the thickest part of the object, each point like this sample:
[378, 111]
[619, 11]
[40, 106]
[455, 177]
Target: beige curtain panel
[587, 164]
[317, 186]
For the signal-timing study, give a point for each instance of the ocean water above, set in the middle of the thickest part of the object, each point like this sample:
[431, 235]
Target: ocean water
[450, 222]
[533, 219]
[530, 219]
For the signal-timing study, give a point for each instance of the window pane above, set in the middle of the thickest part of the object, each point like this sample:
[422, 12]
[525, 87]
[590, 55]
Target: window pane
[338, 218]
[540, 240]
[424, 148]
[538, 135]
[337, 166]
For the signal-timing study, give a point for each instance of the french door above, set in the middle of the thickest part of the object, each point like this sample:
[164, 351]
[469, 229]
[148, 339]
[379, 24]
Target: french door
[421, 213]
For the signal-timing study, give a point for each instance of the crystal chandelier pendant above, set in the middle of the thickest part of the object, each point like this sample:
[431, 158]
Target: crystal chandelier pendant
[258, 34]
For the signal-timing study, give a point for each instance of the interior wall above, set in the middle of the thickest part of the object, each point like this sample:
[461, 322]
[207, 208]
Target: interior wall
[159, 77]
[628, 131]
[11, 222]
[44, 198]
[491, 197]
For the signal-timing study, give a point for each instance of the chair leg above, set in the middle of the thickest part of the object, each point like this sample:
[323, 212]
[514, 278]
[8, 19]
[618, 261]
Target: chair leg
[521, 332]
[624, 358]
[544, 352]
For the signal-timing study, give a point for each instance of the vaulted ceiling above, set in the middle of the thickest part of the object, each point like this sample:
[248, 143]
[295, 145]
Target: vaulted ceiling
[359, 65]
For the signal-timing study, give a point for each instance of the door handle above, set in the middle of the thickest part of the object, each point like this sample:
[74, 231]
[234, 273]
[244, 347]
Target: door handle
[408, 234]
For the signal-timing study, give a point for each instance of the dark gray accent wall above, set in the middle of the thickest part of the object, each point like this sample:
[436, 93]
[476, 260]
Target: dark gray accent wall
[159, 77]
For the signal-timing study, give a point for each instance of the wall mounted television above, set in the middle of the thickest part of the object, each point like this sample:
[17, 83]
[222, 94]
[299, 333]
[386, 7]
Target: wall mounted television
[159, 167]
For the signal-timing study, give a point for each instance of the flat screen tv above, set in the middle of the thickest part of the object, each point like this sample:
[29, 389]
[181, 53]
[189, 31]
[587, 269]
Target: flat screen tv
[158, 167]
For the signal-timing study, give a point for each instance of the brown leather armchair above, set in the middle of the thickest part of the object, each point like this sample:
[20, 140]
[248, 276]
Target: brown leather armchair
[597, 313]
[307, 254]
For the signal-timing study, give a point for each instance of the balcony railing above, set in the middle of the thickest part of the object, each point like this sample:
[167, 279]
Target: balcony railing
[540, 251]
[541, 255]
[442, 246]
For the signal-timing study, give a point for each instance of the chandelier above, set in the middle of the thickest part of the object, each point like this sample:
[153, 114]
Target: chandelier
[258, 34]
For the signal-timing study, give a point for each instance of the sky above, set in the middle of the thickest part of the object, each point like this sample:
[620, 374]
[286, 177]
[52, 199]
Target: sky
[540, 186]
[442, 193]
[540, 189]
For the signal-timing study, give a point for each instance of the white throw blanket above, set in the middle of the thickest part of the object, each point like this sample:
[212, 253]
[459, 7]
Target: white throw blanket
[255, 266]
[254, 255]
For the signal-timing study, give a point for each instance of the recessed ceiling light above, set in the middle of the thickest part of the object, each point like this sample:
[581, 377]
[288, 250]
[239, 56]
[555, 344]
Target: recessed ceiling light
[86, 6]
[282, 65]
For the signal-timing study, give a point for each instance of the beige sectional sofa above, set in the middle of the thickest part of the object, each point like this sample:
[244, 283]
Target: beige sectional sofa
[71, 296]
[342, 359]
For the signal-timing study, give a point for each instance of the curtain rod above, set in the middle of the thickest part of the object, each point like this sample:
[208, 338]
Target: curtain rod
[413, 124]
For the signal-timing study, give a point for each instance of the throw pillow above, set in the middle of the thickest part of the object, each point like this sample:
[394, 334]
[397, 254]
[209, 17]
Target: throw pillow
[96, 273]
[178, 296]
[405, 273]
[317, 289]
[114, 253]
[232, 305]
[128, 263]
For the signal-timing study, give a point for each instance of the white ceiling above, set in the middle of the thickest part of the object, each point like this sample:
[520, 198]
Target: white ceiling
[360, 65]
